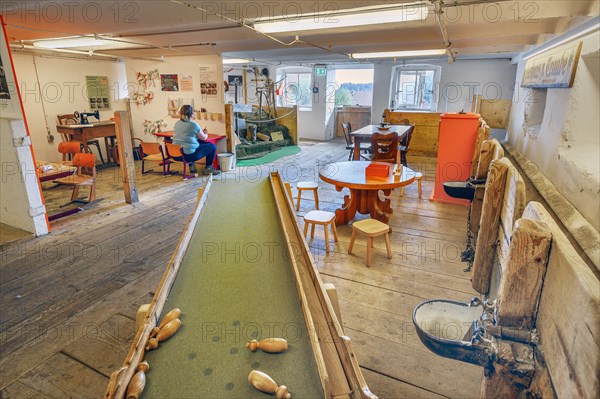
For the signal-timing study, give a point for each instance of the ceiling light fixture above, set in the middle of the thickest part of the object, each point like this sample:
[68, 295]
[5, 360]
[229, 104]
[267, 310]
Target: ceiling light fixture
[393, 13]
[76, 41]
[399, 54]
[228, 61]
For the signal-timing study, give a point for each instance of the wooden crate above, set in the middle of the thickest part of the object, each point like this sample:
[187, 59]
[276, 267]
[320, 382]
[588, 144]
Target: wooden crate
[357, 116]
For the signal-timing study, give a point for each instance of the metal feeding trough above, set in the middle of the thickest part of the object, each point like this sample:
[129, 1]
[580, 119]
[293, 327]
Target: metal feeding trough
[454, 330]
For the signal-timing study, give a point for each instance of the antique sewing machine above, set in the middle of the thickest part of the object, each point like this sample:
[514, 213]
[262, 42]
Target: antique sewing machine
[83, 116]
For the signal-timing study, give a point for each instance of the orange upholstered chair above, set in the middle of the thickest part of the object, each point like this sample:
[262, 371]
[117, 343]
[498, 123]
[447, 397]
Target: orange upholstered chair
[80, 179]
[175, 155]
[68, 149]
[153, 152]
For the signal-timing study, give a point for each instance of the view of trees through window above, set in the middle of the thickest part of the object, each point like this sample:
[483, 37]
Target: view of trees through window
[414, 89]
[295, 89]
[354, 87]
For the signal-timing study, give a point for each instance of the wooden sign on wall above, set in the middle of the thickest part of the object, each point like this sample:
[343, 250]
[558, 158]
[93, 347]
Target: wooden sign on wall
[553, 68]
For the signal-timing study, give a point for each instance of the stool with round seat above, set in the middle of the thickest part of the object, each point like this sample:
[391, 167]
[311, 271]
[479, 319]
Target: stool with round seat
[324, 219]
[419, 179]
[371, 228]
[307, 186]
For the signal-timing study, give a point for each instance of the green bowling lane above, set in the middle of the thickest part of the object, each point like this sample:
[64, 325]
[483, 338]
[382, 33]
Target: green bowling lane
[235, 283]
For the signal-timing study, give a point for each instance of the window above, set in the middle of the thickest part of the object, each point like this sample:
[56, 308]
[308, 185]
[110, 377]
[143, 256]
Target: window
[294, 88]
[413, 88]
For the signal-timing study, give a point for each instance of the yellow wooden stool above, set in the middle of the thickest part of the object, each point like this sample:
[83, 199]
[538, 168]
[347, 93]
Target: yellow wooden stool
[324, 219]
[419, 179]
[371, 228]
[307, 186]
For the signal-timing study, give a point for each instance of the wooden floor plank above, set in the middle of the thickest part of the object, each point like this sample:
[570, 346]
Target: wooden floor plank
[47, 326]
[390, 388]
[105, 345]
[63, 377]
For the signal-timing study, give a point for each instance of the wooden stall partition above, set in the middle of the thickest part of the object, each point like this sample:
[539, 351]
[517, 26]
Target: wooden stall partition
[483, 133]
[503, 204]
[568, 321]
[357, 116]
[490, 151]
[427, 129]
[289, 119]
[126, 163]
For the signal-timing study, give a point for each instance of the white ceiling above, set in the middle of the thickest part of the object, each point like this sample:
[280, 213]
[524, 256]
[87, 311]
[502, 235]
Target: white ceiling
[166, 28]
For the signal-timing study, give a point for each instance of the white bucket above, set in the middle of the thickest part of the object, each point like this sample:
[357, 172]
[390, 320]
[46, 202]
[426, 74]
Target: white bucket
[226, 161]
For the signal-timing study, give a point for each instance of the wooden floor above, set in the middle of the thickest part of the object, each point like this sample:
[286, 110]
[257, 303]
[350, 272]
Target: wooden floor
[68, 299]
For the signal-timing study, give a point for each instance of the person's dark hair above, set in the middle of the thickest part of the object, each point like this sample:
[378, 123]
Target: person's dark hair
[186, 112]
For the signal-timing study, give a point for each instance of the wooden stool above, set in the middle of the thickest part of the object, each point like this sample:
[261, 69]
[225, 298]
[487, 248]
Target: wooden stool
[419, 179]
[307, 186]
[371, 228]
[324, 219]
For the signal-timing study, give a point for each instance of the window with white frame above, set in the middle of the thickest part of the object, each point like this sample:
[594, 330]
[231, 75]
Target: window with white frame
[413, 88]
[294, 88]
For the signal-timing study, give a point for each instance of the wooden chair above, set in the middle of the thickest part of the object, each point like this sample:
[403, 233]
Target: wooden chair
[347, 129]
[322, 218]
[405, 145]
[152, 152]
[385, 147]
[79, 179]
[68, 149]
[69, 119]
[307, 186]
[371, 228]
[175, 155]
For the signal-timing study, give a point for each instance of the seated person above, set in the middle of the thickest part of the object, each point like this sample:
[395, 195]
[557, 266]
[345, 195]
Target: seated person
[192, 139]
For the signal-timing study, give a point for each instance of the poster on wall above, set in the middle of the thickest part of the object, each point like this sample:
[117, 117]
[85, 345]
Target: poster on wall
[553, 68]
[208, 80]
[185, 83]
[235, 80]
[169, 82]
[98, 92]
[4, 93]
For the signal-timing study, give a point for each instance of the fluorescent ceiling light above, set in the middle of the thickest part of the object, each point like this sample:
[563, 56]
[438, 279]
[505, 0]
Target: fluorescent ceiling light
[236, 61]
[345, 18]
[67, 42]
[399, 54]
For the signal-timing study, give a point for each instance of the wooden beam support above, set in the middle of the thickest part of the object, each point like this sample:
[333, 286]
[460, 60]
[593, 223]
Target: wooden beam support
[512, 374]
[488, 227]
[229, 128]
[523, 276]
[126, 160]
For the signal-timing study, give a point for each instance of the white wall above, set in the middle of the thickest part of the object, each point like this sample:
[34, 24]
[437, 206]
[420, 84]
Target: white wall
[566, 144]
[21, 204]
[157, 109]
[496, 79]
[61, 89]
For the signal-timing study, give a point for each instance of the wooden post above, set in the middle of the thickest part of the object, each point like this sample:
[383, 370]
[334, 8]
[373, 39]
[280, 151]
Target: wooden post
[483, 134]
[513, 371]
[488, 227]
[490, 150]
[126, 156]
[522, 278]
[229, 128]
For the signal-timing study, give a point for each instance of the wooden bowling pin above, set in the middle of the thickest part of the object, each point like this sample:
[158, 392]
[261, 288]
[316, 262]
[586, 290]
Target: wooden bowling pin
[264, 383]
[271, 345]
[163, 334]
[136, 385]
[172, 315]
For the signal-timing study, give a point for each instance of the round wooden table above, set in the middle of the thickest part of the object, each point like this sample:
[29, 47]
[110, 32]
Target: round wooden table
[364, 192]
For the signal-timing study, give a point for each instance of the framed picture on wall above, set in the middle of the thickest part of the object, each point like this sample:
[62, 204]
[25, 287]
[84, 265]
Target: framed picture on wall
[4, 93]
[169, 82]
[98, 92]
